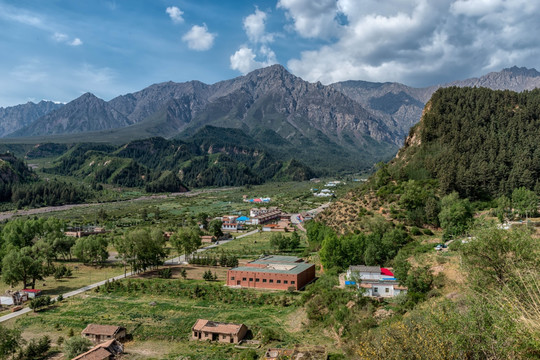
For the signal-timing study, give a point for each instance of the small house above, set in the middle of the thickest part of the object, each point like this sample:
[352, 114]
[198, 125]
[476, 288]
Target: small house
[374, 280]
[100, 333]
[218, 331]
[229, 226]
[32, 293]
[14, 298]
[106, 351]
[208, 239]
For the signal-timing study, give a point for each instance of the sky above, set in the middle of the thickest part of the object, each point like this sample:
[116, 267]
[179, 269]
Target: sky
[59, 49]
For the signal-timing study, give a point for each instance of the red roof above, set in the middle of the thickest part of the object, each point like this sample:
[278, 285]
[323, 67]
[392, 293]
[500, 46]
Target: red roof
[385, 271]
[35, 291]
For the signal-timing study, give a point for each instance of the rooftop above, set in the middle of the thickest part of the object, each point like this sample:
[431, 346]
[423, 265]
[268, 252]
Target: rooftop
[294, 268]
[95, 329]
[102, 351]
[216, 327]
[363, 268]
[276, 259]
[97, 353]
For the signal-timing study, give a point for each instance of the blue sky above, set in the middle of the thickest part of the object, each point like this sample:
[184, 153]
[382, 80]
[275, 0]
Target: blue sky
[59, 49]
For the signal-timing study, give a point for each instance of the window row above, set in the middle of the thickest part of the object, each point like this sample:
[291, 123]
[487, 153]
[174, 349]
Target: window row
[271, 281]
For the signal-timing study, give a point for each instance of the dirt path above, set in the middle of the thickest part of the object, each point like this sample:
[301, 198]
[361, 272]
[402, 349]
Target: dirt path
[9, 214]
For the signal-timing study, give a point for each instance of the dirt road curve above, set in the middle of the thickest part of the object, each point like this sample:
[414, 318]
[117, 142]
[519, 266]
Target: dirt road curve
[9, 214]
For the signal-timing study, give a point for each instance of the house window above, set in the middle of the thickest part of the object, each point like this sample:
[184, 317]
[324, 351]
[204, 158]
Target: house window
[279, 281]
[223, 336]
[232, 277]
[271, 280]
[243, 279]
[264, 280]
[257, 280]
[285, 281]
[293, 282]
[387, 290]
[375, 290]
[250, 279]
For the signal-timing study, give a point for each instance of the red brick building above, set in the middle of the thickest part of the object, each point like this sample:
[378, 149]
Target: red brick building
[272, 272]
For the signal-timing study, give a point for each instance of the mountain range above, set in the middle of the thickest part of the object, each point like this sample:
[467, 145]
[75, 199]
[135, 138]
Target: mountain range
[346, 126]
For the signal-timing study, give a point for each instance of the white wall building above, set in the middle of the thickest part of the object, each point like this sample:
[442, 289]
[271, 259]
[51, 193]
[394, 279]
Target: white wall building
[375, 281]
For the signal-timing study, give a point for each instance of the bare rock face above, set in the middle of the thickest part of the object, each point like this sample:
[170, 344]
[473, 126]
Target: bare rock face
[400, 106]
[15, 117]
[86, 113]
[354, 123]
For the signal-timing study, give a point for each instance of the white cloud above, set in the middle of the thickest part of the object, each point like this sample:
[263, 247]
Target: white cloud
[76, 42]
[199, 38]
[312, 18]
[255, 27]
[59, 37]
[63, 38]
[175, 14]
[419, 42]
[244, 61]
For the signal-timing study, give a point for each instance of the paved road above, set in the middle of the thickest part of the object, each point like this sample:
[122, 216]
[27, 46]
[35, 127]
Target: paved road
[295, 218]
[176, 260]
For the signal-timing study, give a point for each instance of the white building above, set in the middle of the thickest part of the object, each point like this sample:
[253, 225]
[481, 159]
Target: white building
[376, 281]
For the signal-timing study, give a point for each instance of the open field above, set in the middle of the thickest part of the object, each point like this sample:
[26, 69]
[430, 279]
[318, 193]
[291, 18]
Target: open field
[256, 245]
[82, 275]
[159, 317]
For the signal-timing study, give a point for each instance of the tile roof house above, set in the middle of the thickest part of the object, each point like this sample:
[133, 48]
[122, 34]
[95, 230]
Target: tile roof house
[100, 333]
[208, 239]
[105, 351]
[218, 331]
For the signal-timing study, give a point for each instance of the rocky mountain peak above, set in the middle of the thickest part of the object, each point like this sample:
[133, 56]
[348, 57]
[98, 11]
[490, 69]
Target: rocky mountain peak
[522, 71]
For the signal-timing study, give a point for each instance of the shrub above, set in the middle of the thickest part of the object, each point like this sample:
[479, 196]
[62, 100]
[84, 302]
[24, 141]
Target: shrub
[75, 346]
[428, 232]
[268, 335]
[165, 273]
[416, 231]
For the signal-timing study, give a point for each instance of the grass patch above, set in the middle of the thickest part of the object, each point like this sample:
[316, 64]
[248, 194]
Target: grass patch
[160, 317]
[82, 275]
[255, 245]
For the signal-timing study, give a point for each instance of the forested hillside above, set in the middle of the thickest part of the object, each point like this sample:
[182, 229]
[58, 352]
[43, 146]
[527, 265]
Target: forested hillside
[478, 142]
[19, 185]
[209, 158]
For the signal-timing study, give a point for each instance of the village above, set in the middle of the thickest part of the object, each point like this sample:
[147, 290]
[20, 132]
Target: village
[277, 269]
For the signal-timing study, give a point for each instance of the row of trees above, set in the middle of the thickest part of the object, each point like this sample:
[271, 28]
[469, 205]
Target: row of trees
[379, 244]
[210, 260]
[141, 249]
[523, 203]
[282, 242]
[29, 247]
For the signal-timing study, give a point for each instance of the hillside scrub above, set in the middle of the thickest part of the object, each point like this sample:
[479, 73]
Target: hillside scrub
[496, 318]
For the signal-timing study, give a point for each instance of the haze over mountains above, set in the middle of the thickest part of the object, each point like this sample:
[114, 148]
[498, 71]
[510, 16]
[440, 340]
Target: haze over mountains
[354, 122]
